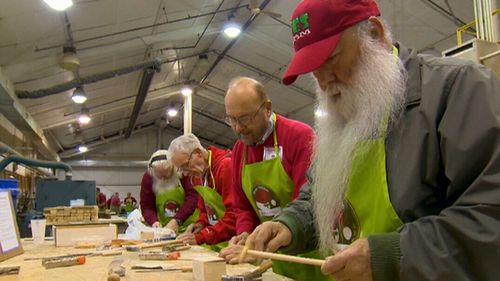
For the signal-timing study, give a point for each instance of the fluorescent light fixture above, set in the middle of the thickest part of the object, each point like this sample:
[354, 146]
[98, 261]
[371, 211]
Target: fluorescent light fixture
[79, 95]
[59, 5]
[82, 148]
[84, 117]
[319, 113]
[186, 91]
[232, 30]
[172, 112]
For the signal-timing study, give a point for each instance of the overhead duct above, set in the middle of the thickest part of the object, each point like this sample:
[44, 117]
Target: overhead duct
[88, 80]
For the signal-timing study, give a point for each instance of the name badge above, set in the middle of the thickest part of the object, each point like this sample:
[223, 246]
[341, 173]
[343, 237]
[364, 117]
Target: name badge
[270, 153]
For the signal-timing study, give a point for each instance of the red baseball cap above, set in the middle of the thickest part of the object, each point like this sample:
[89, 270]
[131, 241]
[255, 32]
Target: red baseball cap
[317, 26]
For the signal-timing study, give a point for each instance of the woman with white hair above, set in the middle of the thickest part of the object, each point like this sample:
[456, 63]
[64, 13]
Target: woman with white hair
[167, 200]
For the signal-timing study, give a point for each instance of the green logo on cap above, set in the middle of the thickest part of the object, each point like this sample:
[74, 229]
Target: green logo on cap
[300, 23]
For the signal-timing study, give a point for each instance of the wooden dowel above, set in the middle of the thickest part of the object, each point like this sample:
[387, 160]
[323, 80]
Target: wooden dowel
[282, 257]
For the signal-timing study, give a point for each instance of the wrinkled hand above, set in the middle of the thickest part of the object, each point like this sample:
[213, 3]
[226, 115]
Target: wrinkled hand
[239, 239]
[197, 228]
[232, 254]
[172, 224]
[187, 238]
[270, 236]
[353, 263]
[156, 224]
[194, 228]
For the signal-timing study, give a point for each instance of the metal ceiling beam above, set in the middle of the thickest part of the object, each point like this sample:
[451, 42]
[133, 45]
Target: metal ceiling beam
[147, 76]
[17, 114]
[231, 44]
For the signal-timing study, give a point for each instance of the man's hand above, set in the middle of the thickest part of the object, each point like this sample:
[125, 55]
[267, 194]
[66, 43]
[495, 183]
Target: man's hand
[156, 224]
[353, 263]
[239, 239]
[232, 254]
[270, 236]
[194, 228]
[187, 238]
[172, 224]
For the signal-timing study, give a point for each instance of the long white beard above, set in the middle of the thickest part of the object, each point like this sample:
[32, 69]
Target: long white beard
[160, 186]
[377, 89]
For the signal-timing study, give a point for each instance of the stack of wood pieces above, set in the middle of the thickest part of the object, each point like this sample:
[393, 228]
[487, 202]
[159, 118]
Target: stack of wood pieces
[63, 215]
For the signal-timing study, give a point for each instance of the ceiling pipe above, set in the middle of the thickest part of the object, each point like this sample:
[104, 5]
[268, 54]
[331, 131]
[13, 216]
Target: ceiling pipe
[98, 77]
[147, 76]
[231, 44]
[141, 28]
[87, 80]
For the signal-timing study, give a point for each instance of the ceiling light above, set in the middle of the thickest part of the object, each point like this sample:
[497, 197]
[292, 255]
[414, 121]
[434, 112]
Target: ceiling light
[82, 148]
[59, 5]
[232, 30]
[69, 60]
[319, 113]
[186, 91]
[172, 112]
[79, 95]
[84, 117]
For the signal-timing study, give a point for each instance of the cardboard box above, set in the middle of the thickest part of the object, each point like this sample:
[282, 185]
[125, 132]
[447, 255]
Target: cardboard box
[208, 268]
[70, 235]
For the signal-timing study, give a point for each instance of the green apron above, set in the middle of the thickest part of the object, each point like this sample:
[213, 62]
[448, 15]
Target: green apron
[269, 189]
[129, 207]
[169, 202]
[213, 204]
[266, 184]
[367, 206]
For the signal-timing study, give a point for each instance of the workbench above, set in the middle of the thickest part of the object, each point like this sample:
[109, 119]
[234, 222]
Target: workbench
[96, 267]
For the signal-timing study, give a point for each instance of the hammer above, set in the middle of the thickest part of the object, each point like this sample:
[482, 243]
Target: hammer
[251, 275]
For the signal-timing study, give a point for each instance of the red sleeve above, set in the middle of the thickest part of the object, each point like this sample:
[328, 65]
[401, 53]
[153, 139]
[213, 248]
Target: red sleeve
[134, 201]
[148, 199]
[224, 229]
[298, 152]
[190, 201]
[246, 218]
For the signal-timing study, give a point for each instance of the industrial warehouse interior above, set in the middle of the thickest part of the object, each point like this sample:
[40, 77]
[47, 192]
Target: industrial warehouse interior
[90, 92]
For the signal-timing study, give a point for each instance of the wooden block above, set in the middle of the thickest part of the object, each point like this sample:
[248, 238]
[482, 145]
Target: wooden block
[147, 235]
[208, 268]
[68, 235]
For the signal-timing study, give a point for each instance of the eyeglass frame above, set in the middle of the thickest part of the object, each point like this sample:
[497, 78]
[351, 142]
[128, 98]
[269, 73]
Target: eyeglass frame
[184, 167]
[250, 116]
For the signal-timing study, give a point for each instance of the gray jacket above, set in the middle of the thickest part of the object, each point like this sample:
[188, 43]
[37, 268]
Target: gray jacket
[443, 173]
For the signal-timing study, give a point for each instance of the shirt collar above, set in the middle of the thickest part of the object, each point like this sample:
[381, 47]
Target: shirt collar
[268, 131]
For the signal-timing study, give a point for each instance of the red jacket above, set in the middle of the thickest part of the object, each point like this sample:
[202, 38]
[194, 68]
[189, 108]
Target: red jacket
[296, 138]
[148, 200]
[224, 229]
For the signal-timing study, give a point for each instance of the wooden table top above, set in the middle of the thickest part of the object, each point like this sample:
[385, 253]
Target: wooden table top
[96, 267]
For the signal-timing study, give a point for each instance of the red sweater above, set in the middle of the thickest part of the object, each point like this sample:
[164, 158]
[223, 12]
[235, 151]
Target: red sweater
[224, 229]
[148, 200]
[296, 138]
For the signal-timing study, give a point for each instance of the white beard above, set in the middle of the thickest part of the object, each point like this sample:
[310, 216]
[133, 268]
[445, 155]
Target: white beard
[377, 88]
[160, 186]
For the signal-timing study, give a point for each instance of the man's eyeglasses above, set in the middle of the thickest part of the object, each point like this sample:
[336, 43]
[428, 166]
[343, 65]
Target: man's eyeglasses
[243, 120]
[185, 166]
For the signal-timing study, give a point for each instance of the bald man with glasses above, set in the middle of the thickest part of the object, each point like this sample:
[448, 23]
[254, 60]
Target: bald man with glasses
[270, 157]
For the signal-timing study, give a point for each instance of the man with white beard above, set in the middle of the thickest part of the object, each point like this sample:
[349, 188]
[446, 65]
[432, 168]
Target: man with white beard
[167, 200]
[405, 167]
